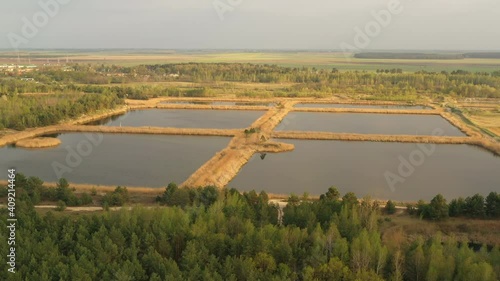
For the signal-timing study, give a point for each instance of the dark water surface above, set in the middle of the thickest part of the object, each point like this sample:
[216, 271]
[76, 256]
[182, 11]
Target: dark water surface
[366, 123]
[108, 159]
[181, 118]
[362, 167]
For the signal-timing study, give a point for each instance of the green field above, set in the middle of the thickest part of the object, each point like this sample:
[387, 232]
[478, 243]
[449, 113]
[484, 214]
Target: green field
[320, 60]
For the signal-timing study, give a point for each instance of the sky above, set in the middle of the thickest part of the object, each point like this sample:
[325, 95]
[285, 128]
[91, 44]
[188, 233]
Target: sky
[251, 24]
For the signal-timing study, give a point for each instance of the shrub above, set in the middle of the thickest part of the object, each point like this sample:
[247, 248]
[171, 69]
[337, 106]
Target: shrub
[390, 207]
[61, 206]
[116, 198]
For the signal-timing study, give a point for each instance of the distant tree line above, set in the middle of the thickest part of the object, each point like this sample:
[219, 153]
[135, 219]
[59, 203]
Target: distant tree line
[393, 82]
[393, 70]
[409, 56]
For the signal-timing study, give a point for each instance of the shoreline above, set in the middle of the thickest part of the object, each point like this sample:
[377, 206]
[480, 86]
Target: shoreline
[38, 143]
[154, 191]
[227, 163]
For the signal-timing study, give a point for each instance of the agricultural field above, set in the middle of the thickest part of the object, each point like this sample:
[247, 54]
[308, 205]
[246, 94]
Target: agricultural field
[319, 60]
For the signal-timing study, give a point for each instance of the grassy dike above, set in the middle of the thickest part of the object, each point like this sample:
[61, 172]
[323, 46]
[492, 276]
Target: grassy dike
[224, 166]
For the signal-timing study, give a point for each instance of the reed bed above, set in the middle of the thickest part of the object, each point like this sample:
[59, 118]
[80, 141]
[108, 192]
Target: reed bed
[38, 143]
[220, 169]
[99, 116]
[368, 137]
[152, 131]
[16, 138]
[215, 99]
[274, 147]
[358, 102]
[87, 187]
[489, 145]
[368, 110]
[212, 107]
[226, 164]
[28, 134]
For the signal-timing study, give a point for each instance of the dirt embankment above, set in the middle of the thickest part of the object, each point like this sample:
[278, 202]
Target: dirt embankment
[98, 116]
[28, 134]
[489, 145]
[369, 110]
[151, 130]
[212, 107]
[15, 137]
[76, 126]
[460, 125]
[226, 164]
[176, 103]
[38, 143]
[356, 102]
[372, 137]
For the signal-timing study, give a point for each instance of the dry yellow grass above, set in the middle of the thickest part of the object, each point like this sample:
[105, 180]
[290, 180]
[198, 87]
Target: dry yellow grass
[371, 137]
[212, 107]
[98, 116]
[16, 138]
[460, 125]
[226, 164]
[221, 169]
[464, 229]
[479, 141]
[358, 102]
[368, 110]
[150, 130]
[38, 143]
[155, 101]
[487, 121]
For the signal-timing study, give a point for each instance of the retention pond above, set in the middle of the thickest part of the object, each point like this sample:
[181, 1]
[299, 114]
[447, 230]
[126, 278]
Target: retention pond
[182, 118]
[382, 170]
[367, 123]
[108, 159]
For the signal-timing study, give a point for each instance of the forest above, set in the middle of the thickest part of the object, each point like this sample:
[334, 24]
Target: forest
[89, 88]
[380, 84]
[211, 234]
[20, 112]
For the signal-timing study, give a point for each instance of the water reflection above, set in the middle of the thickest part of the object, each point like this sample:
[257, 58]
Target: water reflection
[182, 118]
[127, 160]
[366, 123]
[360, 167]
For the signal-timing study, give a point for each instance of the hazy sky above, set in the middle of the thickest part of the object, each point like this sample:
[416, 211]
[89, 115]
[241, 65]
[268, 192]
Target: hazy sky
[253, 24]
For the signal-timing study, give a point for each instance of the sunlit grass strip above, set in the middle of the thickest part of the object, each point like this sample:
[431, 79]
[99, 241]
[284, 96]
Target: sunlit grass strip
[491, 146]
[212, 107]
[362, 102]
[460, 125]
[38, 143]
[14, 138]
[151, 130]
[368, 110]
[226, 164]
